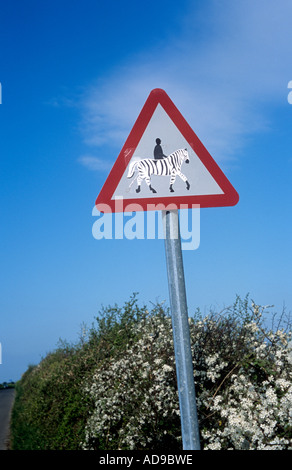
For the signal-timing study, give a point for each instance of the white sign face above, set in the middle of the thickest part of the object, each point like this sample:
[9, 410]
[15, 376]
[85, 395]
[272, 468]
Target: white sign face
[158, 178]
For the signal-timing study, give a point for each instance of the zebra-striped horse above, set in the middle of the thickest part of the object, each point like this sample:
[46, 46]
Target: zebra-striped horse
[170, 165]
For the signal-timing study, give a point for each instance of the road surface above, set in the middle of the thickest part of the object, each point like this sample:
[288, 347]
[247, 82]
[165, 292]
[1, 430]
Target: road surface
[6, 402]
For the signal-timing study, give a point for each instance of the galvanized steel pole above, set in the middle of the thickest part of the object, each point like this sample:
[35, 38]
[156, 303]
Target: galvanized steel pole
[181, 332]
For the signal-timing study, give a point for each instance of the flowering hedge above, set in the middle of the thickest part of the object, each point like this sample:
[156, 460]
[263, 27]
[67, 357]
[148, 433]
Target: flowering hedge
[116, 388]
[135, 401]
[245, 384]
[242, 374]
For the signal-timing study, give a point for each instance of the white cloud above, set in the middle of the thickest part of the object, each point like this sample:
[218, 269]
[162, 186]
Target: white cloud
[221, 79]
[94, 163]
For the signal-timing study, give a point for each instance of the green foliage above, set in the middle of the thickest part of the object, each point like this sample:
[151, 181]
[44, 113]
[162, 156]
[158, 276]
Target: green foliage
[116, 388]
[6, 385]
[50, 408]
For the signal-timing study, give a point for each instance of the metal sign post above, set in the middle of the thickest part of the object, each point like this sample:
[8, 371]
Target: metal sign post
[181, 333]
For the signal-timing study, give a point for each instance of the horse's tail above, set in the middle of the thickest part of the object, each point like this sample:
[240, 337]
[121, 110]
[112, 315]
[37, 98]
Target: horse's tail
[132, 169]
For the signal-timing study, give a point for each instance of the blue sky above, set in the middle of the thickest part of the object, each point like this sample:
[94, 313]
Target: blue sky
[75, 75]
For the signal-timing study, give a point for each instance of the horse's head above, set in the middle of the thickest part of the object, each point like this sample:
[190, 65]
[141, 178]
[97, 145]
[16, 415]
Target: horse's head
[186, 156]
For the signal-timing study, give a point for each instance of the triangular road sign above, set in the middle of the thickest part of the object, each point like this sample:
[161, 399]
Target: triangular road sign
[142, 177]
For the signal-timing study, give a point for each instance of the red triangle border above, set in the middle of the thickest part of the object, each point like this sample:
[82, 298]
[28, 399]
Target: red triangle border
[104, 201]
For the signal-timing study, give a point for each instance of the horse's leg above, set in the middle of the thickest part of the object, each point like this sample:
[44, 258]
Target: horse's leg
[149, 184]
[139, 179]
[184, 178]
[172, 180]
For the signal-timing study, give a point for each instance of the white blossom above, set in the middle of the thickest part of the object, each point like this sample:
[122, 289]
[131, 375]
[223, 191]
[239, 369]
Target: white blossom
[243, 405]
